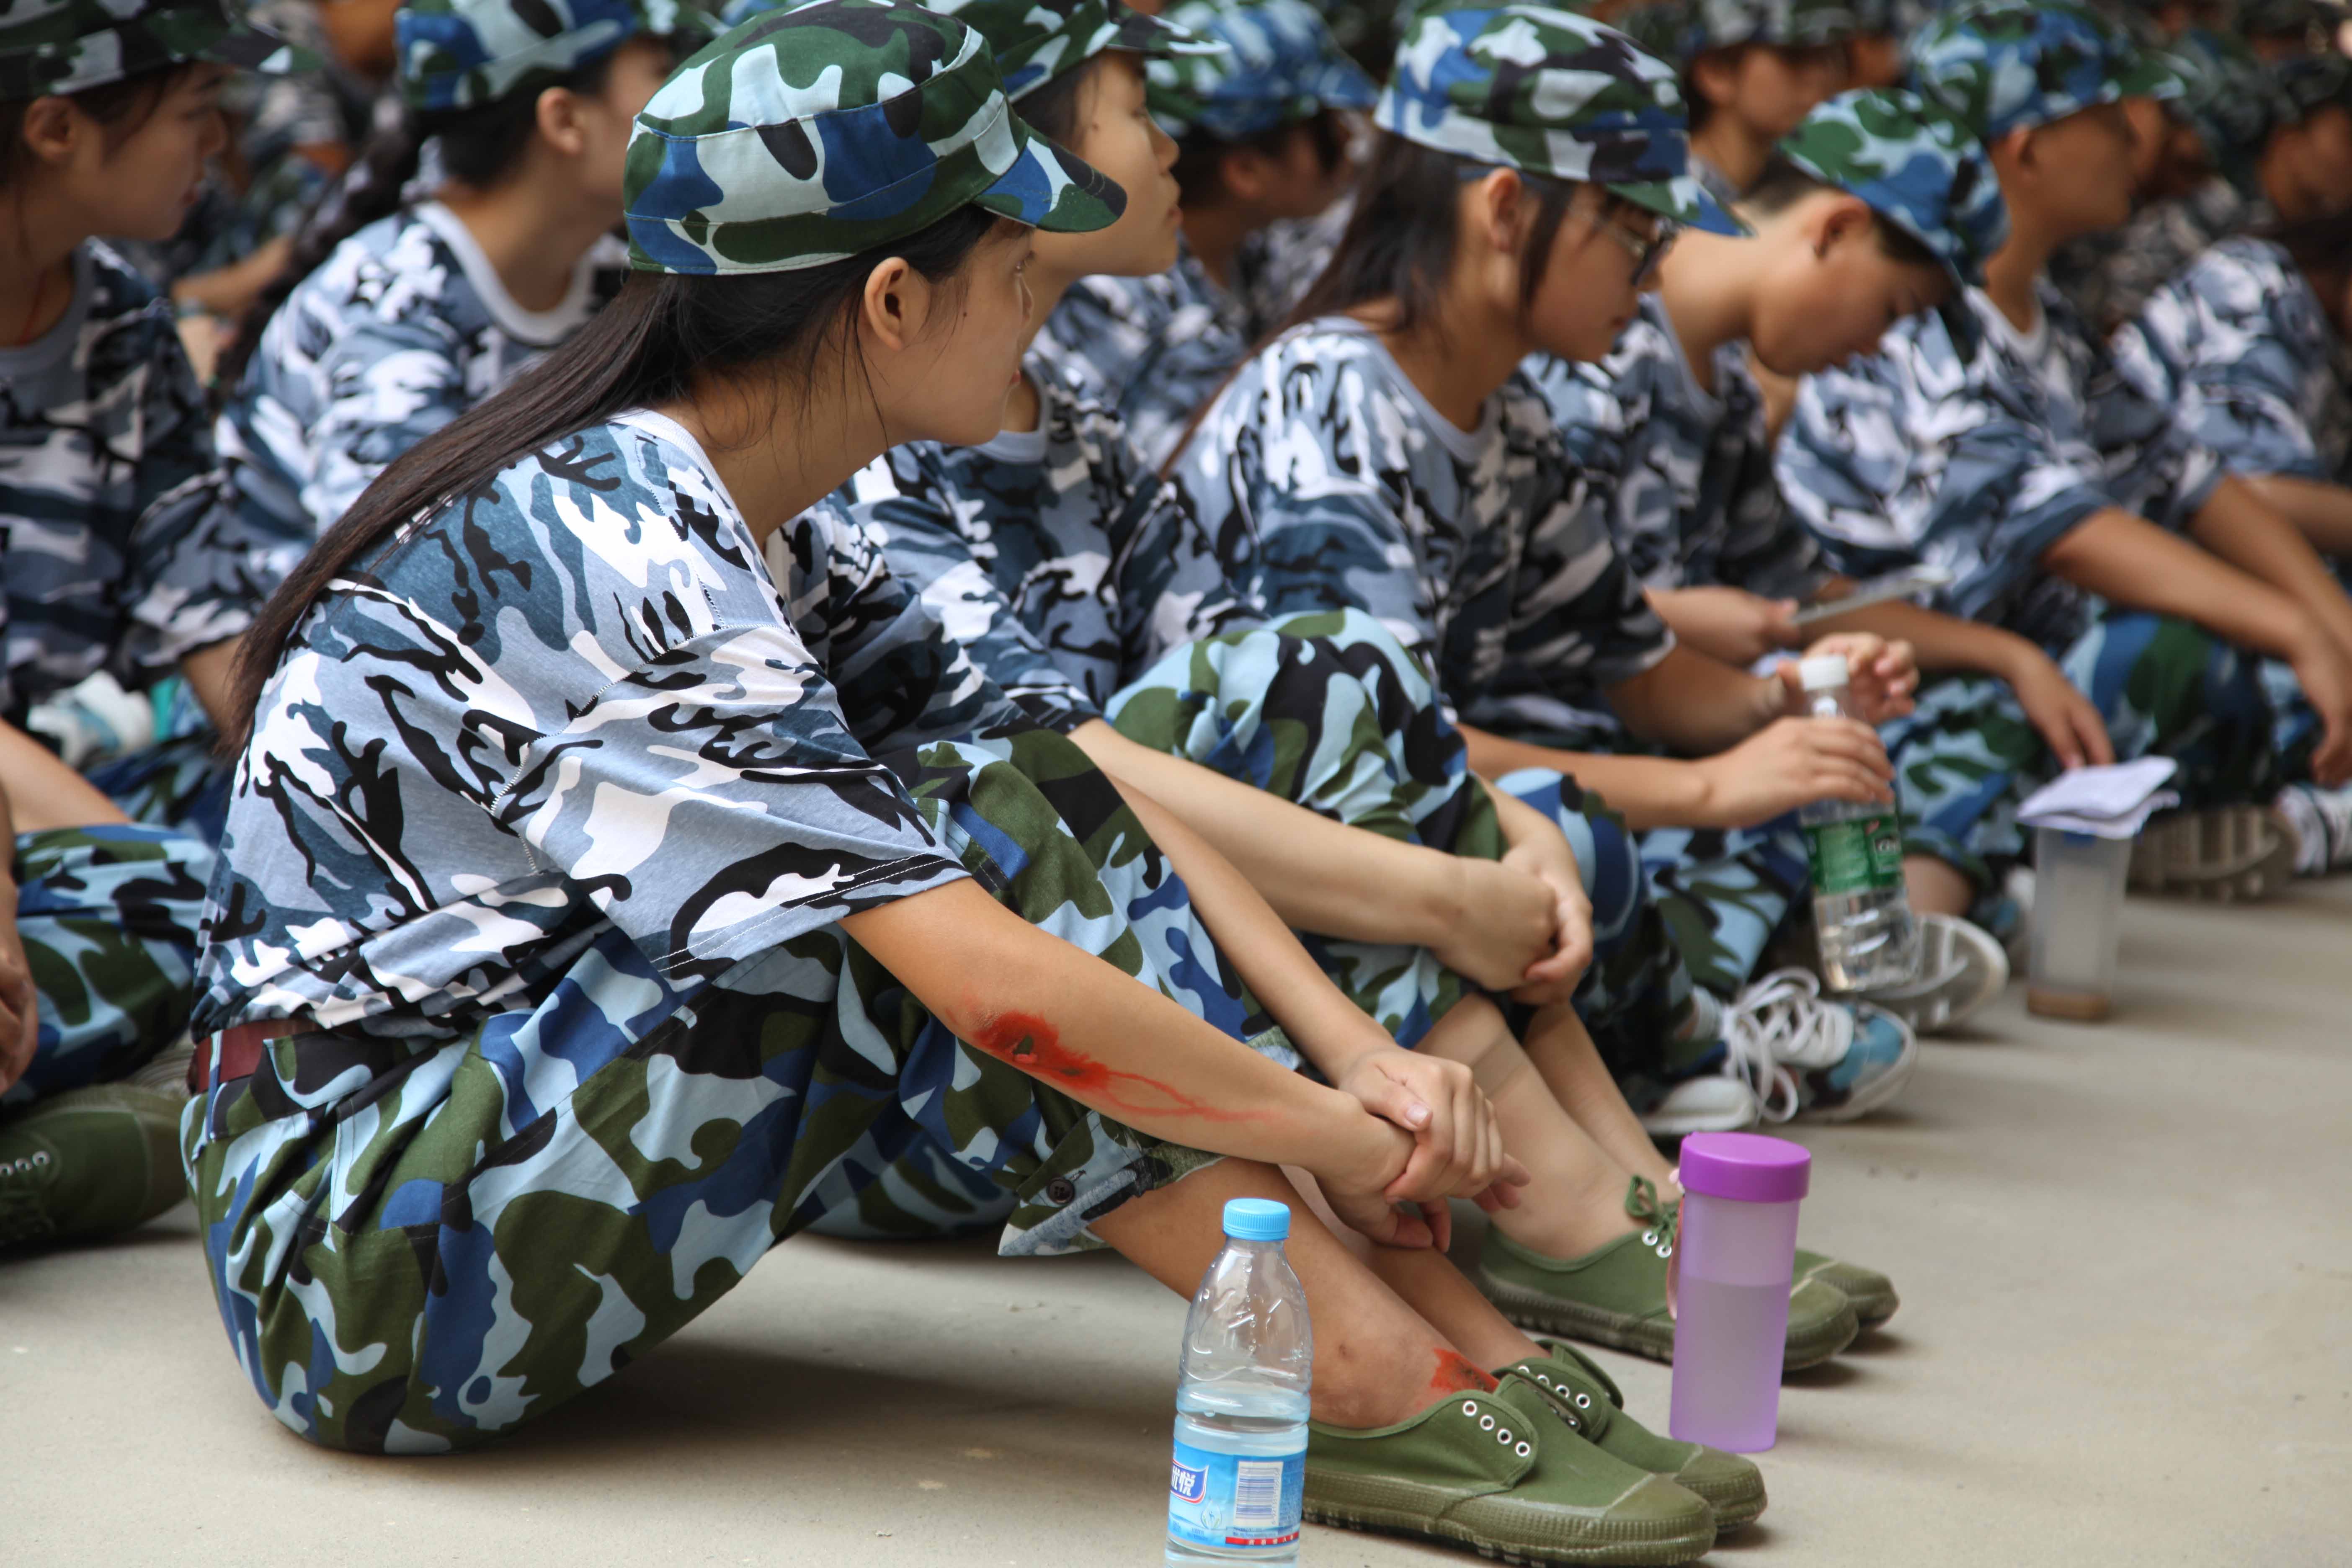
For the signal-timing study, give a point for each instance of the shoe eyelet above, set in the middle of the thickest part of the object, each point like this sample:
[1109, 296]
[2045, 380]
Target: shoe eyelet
[40, 1158]
[1469, 1407]
[1649, 1239]
[1504, 1436]
[1574, 1425]
[1524, 1451]
[1542, 1379]
[1584, 1402]
[1486, 1424]
[1666, 1251]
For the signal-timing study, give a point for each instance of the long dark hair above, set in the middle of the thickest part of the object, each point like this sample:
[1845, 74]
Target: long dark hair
[2320, 246]
[648, 346]
[478, 146]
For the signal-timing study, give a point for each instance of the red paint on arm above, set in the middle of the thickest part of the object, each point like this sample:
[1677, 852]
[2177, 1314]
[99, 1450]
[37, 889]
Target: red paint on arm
[1032, 1045]
[1457, 1373]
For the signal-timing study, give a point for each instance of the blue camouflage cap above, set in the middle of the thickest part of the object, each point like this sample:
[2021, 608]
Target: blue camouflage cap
[810, 135]
[2002, 63]
[1553, 95]
[2227, 98]
[1281, 66]
[458, 54]
[1727, 24]
[1920, 170]
[1037, 40]
[70, 45]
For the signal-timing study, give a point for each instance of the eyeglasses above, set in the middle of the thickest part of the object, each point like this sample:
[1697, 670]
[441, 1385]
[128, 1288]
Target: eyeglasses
[1647, 251]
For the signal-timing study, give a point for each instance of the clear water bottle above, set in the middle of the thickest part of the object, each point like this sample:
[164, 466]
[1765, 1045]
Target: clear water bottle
[1860, 911]
[1238, 1483]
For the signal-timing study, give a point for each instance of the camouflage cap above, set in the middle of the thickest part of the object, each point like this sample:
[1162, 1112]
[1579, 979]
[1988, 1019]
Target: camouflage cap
[808, 136]
[1892, 18]
[1553, 95]
[2304, 84]
[2226, 98]
[1037, 40]
[1281, 65]
[1727, 24]
[458, 54]
[65, 46]
[2002, 63]
[1920, 170]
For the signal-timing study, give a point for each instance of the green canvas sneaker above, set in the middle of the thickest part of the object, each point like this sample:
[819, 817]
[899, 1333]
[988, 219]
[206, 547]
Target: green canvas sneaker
[1504, 1474]
[1589, 1401]
[89, 1161]
[1871, 1292]
[1616, 1295]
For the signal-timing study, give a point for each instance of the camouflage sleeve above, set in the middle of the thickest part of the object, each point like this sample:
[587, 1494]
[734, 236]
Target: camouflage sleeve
[1764, 549]
[1172, 587]
[905, 680]
[2155, 467]
[388, 385]
[197, 573]
[900, 502]
[2220, 362]
[1579, 619]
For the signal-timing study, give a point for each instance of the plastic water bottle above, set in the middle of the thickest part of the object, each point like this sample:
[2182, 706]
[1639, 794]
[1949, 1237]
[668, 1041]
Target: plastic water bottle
[1860, 911]
[1238, 1484]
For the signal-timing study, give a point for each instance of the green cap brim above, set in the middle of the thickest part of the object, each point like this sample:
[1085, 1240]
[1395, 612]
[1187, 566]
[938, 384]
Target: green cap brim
[1049, 189]
[1685, 201]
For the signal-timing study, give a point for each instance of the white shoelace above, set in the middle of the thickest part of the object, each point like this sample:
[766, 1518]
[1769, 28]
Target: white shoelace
[1779, 1023]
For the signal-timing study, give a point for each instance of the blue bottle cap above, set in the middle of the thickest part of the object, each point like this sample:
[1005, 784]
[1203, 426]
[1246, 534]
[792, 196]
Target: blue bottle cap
[1258, 1219]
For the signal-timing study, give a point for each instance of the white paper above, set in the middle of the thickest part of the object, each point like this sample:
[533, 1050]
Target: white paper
[2109, 803]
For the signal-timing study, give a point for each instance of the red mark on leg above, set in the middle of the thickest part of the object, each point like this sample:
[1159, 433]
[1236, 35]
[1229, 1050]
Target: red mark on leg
[1457, 1374]
[1032, 1045]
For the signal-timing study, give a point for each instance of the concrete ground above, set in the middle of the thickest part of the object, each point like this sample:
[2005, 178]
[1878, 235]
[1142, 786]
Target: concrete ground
[2124, 1252]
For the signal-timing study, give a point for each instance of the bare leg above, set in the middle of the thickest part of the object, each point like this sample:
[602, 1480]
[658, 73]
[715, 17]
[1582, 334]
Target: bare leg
[1937, 888]
[1572, 1069]
[43, 792]
[1377, 1362]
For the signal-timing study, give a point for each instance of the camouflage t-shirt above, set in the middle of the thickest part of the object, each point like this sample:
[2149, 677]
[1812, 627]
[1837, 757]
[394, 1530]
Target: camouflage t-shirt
[1912, 455]
[575, 701]
[2242, 352]
[402, 329]
[118, 554]
[1329, 482]
[1151, 350]
[2108, 277]
[1682, 476]
[1059, 560]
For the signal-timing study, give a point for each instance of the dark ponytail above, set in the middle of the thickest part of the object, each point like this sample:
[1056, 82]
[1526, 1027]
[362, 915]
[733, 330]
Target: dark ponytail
[478, 147]
[648, 346]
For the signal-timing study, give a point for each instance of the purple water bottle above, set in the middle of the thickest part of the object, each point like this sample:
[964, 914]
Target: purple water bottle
[1735, 1253]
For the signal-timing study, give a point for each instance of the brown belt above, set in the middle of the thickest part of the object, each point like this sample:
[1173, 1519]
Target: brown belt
[233, 1053]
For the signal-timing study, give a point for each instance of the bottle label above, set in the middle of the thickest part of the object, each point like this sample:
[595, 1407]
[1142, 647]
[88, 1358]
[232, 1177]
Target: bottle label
[1859, 855]
[1238, 1505]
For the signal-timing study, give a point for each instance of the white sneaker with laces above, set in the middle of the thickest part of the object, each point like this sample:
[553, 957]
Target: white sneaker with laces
[1809, 1056]
[1961, 967]
[1708, 1104]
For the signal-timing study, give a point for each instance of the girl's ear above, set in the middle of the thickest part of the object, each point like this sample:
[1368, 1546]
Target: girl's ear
[895, 305]
[1498, 201]
[54, 128]
[1714, 75]
[558, 115]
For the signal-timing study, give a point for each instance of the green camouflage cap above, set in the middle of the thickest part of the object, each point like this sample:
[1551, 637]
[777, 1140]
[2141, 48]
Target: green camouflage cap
[805, 136]
[1726, 24]
[65, 46]
[1921, 170]
[2227, 98]
[1281, 66]
[458, 54]
[1037, 40]
[2002, 64]
[1553, 95]
[2304, 84]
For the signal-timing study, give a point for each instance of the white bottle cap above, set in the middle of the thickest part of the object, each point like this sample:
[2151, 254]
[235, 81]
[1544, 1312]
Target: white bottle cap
[1823, 672]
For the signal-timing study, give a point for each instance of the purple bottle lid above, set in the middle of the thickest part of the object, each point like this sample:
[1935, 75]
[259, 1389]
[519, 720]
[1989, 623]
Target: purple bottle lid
[1745, 1167]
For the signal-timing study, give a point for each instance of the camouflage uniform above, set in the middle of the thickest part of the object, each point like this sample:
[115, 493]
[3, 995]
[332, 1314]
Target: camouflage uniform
[1978, 463]
[579, 1037]
[1059, 544]
[115, 558]
[1679, 31]
[2242, 352]
[1153, 350]
[407, 324]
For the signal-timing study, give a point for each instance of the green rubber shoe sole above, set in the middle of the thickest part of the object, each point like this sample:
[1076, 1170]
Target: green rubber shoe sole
[1636, 1542]
[1816, 1332]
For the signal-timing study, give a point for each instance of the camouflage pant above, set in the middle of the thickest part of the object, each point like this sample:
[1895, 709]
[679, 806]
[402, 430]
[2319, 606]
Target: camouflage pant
[1968, 757]
[415, 1245]
[1328, 711]
[109, 918]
